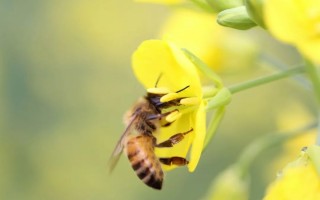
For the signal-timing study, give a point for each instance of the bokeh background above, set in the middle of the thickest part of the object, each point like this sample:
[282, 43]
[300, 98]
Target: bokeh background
[65, 82]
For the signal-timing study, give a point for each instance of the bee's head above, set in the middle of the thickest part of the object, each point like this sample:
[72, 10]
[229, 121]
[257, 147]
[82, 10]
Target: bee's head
[162, 100]
[163, 97]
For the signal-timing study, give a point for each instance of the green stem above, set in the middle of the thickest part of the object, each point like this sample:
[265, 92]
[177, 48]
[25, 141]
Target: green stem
[266, 79]
[213, 126]
[314, 77]
[251, 152]
[318, 134]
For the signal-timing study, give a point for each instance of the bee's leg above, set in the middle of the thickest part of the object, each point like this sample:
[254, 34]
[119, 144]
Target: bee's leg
[175, 139]
[166, 124]
[159, 116]
[179, 161]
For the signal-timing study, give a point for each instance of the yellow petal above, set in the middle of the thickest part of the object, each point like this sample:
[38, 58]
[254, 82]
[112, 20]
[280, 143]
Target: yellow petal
[296, 22]
[311, 50]
[299, 179]
[158, 90]
[196, 32]
[297, 183]
[188, 72]
[155, 57]
[284, 18]
[199, 136]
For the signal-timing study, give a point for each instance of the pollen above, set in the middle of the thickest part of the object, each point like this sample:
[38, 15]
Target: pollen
[173, 116]
[169, 97]
[158, 90]
[190, 101]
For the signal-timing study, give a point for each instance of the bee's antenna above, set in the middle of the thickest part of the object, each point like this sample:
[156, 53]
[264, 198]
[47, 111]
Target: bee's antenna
[158, 79]
[183, 89]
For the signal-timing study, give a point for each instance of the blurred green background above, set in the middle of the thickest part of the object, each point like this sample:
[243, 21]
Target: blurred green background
[65, 82]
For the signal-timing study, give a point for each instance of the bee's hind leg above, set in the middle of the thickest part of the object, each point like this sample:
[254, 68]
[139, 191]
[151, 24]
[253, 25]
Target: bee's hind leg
[179, 161]
[175, 139]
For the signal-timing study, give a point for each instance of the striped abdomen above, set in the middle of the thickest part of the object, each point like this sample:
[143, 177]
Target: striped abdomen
[140, 152]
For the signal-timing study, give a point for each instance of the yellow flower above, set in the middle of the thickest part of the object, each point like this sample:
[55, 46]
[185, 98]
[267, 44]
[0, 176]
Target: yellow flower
[293, 116]
[168, 2]
[220, 48]
[299, 180]
[296, 22]
[154, 58]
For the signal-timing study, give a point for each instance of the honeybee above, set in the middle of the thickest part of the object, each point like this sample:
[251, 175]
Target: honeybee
[138, 140]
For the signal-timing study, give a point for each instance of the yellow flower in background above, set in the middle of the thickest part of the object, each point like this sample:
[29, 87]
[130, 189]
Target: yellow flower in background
[296, 22]
[168, 2]
[154, 58]
[298, 180]
[219, 47]
[296, 183]
[293, 116]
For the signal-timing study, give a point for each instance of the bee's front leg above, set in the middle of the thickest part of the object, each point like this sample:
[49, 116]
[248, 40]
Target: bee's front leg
[160, 116]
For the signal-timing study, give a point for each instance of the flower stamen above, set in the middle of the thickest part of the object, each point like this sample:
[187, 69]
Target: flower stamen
[173, 116]
[190, 101]
[169, 97]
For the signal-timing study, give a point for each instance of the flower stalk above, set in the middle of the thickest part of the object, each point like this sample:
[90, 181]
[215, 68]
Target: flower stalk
[314, 78]
[266, 79]
[214, 123]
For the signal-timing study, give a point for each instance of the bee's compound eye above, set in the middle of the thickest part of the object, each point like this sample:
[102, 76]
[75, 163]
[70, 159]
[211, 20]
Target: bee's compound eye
[158, 90]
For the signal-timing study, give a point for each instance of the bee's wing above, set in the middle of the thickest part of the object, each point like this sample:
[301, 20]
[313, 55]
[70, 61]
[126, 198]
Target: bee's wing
[115, 156]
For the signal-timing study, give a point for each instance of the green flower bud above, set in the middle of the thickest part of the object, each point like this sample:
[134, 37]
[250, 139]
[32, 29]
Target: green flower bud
[236, 18]
[220, 5]
[255, 11]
